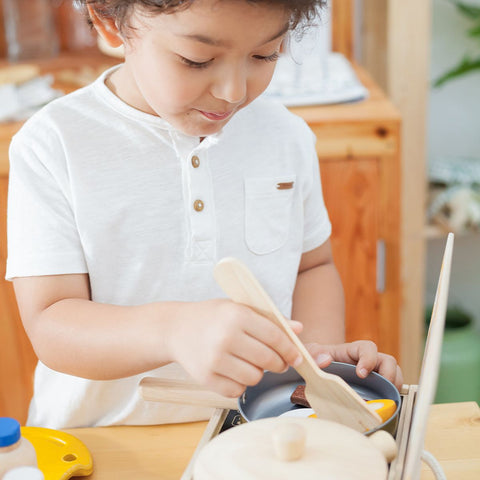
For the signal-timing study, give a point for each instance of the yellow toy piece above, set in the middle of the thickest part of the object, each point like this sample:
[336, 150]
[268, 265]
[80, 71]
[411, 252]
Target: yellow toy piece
[59, 454]
[384, 407]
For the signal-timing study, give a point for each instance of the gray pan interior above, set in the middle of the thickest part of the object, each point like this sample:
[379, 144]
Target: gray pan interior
[271, 397]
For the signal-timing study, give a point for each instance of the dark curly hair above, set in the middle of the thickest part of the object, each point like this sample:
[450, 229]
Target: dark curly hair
[302, 12]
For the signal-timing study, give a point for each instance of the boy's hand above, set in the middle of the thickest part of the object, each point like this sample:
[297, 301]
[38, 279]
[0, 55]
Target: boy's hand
[227, 346]
[364, 354]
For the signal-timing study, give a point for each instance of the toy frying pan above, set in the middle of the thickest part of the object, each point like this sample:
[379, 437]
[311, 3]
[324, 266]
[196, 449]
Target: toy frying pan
[271, 396]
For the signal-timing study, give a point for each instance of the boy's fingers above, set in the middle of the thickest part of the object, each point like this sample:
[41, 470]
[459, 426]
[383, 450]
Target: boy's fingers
[399, 378]
[226, 386]
[265, 331]
[297, 327]
[366, 353]
[254, 351]
[387, 367]
[363, 353]
[391, 371]
[239, 371]
[320, 353]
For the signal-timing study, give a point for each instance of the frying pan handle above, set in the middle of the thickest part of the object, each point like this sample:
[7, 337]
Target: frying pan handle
[183, 392]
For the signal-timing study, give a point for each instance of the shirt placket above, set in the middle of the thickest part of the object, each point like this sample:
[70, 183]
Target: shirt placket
[199, 203]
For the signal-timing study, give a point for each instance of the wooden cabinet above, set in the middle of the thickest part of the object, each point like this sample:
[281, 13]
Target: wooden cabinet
[358, 146]
[17, 359]
[358, 150]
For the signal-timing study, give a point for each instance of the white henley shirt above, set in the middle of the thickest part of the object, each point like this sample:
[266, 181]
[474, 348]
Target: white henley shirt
[99, 187]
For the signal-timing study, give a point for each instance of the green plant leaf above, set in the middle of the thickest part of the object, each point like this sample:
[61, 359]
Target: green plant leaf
[467, 65]
[466, 9]
[474, 32]
[456, 317]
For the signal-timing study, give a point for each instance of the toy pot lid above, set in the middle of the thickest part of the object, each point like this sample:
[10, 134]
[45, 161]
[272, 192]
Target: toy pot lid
[295, 448]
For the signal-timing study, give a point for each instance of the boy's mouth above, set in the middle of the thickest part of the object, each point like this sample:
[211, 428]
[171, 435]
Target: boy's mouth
[216, 116]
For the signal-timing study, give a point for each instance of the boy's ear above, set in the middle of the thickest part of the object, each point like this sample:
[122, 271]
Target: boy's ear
[106, 27]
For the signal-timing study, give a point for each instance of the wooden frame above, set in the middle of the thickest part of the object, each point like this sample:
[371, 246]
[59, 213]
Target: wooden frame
[343, 27]
[3, 40]
[395, 50]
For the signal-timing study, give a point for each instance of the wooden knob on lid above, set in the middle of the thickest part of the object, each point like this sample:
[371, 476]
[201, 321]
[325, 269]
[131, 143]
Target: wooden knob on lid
[289, 441]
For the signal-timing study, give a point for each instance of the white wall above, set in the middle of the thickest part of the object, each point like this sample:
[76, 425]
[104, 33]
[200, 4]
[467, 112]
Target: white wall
[454, 129]
[454, 125]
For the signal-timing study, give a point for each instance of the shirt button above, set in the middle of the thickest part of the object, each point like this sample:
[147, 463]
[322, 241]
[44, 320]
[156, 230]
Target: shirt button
[195, 161]
[198, 205]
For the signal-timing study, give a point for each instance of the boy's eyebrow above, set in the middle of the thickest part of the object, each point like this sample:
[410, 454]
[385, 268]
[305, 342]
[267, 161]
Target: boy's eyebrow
[220, 43]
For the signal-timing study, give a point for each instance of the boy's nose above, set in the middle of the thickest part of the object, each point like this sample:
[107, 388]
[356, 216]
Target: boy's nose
[231, 85]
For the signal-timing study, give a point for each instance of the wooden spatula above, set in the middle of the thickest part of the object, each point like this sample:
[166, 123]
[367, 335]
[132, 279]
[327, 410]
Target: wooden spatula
[329, 395]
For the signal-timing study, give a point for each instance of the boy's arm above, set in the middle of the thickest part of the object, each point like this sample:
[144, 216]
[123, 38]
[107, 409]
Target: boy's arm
[318, 300]
[318, 303]
[222, 344]
[74, 335]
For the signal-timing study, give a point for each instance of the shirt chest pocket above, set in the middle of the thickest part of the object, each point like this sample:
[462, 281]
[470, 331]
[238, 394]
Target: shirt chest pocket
[268, 208]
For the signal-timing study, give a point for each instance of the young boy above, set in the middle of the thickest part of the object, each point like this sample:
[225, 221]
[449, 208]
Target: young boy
[125, 194]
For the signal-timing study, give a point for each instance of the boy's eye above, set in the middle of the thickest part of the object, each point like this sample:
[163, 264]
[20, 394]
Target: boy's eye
[193, 64]
[269, 58]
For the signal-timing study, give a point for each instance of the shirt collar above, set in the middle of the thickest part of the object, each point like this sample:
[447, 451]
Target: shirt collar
[124, 109]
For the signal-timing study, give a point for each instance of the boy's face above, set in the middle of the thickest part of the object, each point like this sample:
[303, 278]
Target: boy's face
[197, 67]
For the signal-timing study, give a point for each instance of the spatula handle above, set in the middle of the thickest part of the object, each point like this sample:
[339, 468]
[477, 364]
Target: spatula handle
[241, 286]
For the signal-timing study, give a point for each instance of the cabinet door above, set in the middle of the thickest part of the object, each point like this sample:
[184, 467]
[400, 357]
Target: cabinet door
[352, 196]
[17, 359]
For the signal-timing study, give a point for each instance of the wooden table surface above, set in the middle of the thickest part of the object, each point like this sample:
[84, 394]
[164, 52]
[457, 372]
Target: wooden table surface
[453, 437]
[163, 452]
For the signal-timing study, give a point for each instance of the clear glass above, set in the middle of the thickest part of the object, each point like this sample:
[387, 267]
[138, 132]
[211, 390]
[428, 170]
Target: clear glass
[30, 29]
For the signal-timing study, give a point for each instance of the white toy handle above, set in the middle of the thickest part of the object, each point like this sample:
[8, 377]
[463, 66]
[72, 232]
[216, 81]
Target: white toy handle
[434, 465]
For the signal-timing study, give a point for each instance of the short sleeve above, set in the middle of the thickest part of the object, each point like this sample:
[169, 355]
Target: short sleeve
[42, 234]
[317, 226]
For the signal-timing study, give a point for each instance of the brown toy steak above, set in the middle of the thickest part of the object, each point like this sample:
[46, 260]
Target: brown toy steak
[298, 397]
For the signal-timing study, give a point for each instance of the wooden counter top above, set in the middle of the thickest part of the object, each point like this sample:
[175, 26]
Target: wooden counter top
[140, 453]
[163, 452]
[453, 437]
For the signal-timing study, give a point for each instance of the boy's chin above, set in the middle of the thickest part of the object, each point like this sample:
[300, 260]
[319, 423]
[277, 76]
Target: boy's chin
[201, 130]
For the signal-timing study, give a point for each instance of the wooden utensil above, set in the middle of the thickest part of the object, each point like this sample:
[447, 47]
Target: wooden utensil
[184, 392]
[330, 396]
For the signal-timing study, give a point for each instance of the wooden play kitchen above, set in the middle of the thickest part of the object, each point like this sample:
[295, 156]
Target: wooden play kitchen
[280, 448]
[164, 451]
